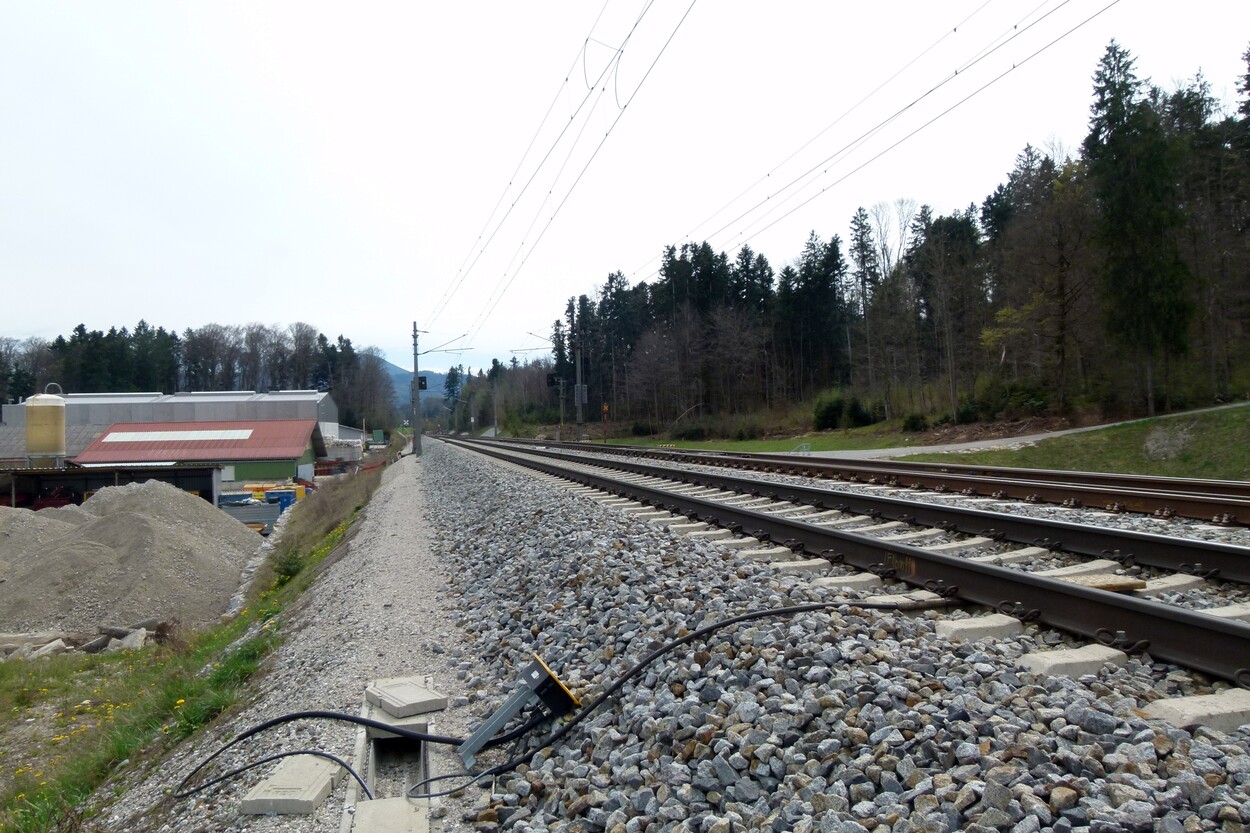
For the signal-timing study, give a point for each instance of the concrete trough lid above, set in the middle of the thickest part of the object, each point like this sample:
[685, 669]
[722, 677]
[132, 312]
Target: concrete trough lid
[1224, 712]
[1107, 581]
[296, 787]
[392, 815]
[404, 696]
[1073, 662]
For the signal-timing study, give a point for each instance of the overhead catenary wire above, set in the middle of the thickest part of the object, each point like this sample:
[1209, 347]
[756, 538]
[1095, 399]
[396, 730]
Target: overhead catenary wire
[770, 200]
[945, 34]
[610, 66]
[498, 293]
[940, 115]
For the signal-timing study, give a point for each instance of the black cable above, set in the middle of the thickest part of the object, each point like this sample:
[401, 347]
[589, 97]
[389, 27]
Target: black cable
[638, 667]
[235, 772]
[179, 792]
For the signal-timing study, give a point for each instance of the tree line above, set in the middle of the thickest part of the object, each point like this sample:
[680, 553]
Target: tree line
[213, 357]
[1112, 280]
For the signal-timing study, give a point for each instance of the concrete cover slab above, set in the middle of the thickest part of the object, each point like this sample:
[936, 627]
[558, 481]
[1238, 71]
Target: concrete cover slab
[392, 815]
[1224, 712]
[882, 527]
[682, 529]
[296, 787]
[404, 696]
[844, 521]
[1073, 662]
[413, 723]
[1107, 581]
[993, 626]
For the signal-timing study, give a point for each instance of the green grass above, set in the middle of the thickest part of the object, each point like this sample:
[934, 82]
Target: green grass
[843, 440]
[1213, 445]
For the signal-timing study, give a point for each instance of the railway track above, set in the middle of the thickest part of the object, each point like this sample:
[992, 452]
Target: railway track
[1032, 569]
[1216, 501]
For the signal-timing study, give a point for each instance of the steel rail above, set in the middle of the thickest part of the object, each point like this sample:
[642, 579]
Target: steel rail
[1212, 500]
[1207, 559]
[1195, 640]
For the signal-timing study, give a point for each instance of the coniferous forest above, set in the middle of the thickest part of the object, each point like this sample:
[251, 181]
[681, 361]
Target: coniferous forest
[1103, 281]
[1112, 280]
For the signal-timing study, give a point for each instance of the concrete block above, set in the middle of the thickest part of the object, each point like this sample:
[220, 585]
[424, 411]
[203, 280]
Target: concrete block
[858, 581]
[770, 554]
[803, 566]
[296, 787]
[748, 502]
[404, 696]
[1073, 662]
[918, 535]
[1224, 712]
[882, 527]
[659, 517]
[1019, 556]
[686, 528]
[993, 626]
[393, 815]
[824, 515]
[959, 547]
[711, 534]
[739, 543]
[778, 506]
[1089, 568]
[1240, 612]
[635, 509]
[845, 521]
[1170, 584]
[904, 598]
[1107, 581]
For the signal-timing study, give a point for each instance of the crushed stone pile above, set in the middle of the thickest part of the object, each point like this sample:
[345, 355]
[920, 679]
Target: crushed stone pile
[128, 554]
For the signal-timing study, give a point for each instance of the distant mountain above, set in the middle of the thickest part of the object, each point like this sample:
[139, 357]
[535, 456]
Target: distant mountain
[401, 379]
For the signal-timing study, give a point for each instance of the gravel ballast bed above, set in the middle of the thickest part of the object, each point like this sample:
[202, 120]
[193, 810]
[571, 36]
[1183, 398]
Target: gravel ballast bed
[842, 720]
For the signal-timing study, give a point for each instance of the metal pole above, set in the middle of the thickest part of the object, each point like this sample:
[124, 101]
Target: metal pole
[578, 390]
[416, 396]
[561, 410]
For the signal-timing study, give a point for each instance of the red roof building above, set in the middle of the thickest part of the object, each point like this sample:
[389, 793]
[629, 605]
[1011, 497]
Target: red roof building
[255, 449]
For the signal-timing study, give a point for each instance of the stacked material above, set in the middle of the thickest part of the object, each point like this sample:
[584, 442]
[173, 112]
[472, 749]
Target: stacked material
[129, 553]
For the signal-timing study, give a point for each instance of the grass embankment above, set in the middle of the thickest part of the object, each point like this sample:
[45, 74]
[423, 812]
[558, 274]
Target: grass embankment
[68, 723]
[1212, 444]
[1206, 444]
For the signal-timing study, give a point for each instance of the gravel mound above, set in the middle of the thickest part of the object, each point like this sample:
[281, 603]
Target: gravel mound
[129, 553]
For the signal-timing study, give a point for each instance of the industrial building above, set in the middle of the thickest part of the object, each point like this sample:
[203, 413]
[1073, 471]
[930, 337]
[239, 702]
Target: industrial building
[215, 439]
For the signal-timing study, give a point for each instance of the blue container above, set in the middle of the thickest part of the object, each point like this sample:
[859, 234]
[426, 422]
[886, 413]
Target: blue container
[285, 501]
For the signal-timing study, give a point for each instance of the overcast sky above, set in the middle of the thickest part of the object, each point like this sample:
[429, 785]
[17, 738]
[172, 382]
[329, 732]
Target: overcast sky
[363, 166]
